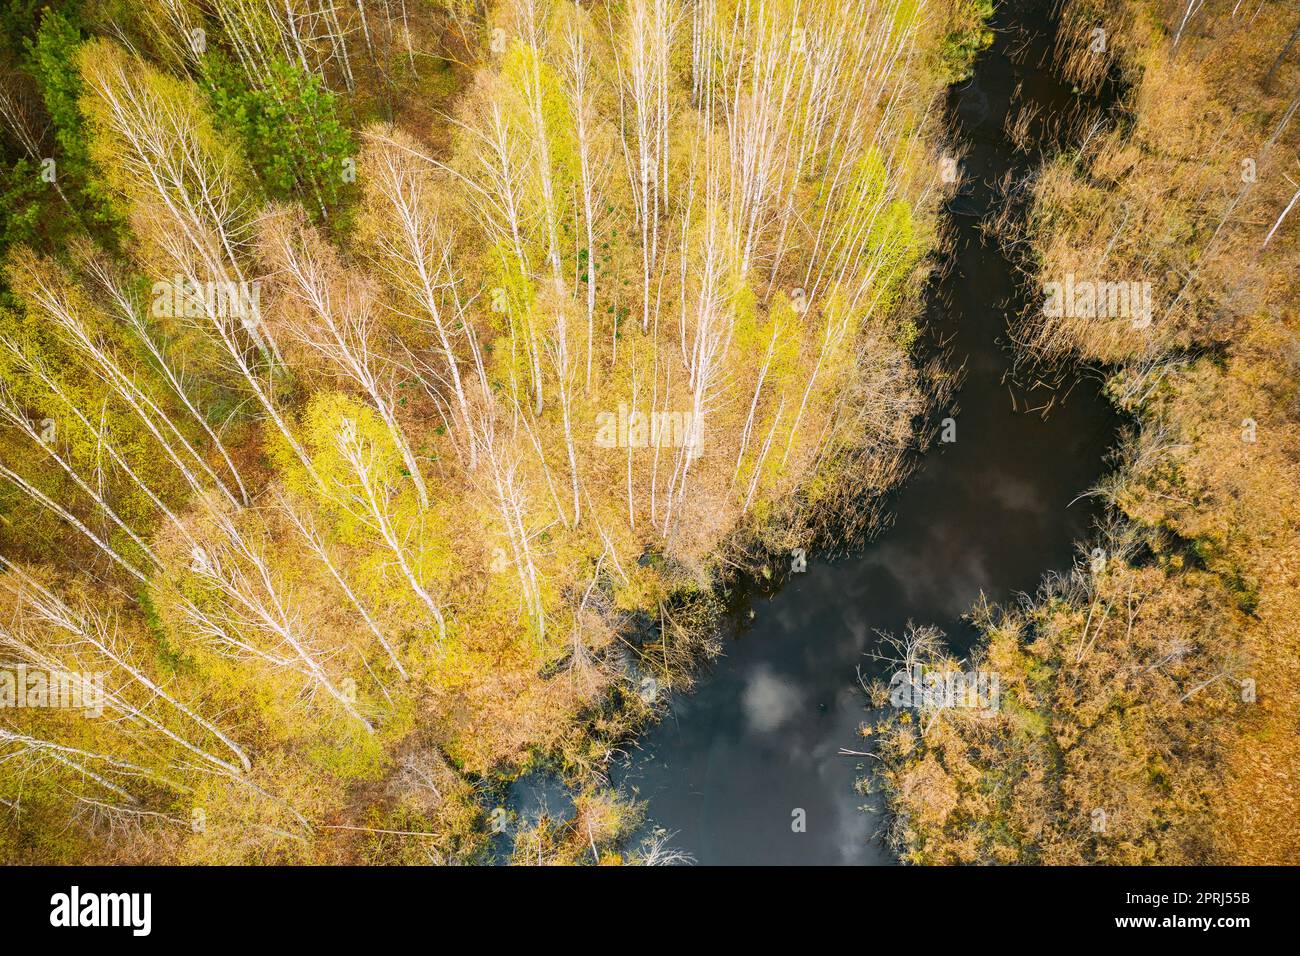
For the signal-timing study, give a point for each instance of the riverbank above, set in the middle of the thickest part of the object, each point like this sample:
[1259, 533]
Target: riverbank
[1148, 698]
[759, 765]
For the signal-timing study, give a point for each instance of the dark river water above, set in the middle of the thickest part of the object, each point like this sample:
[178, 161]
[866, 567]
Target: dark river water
[730, 764]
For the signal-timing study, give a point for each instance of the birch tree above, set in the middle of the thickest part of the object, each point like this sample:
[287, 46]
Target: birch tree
[336, 319]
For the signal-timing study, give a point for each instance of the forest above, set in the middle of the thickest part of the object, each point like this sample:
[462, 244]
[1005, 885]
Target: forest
[387, 388]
